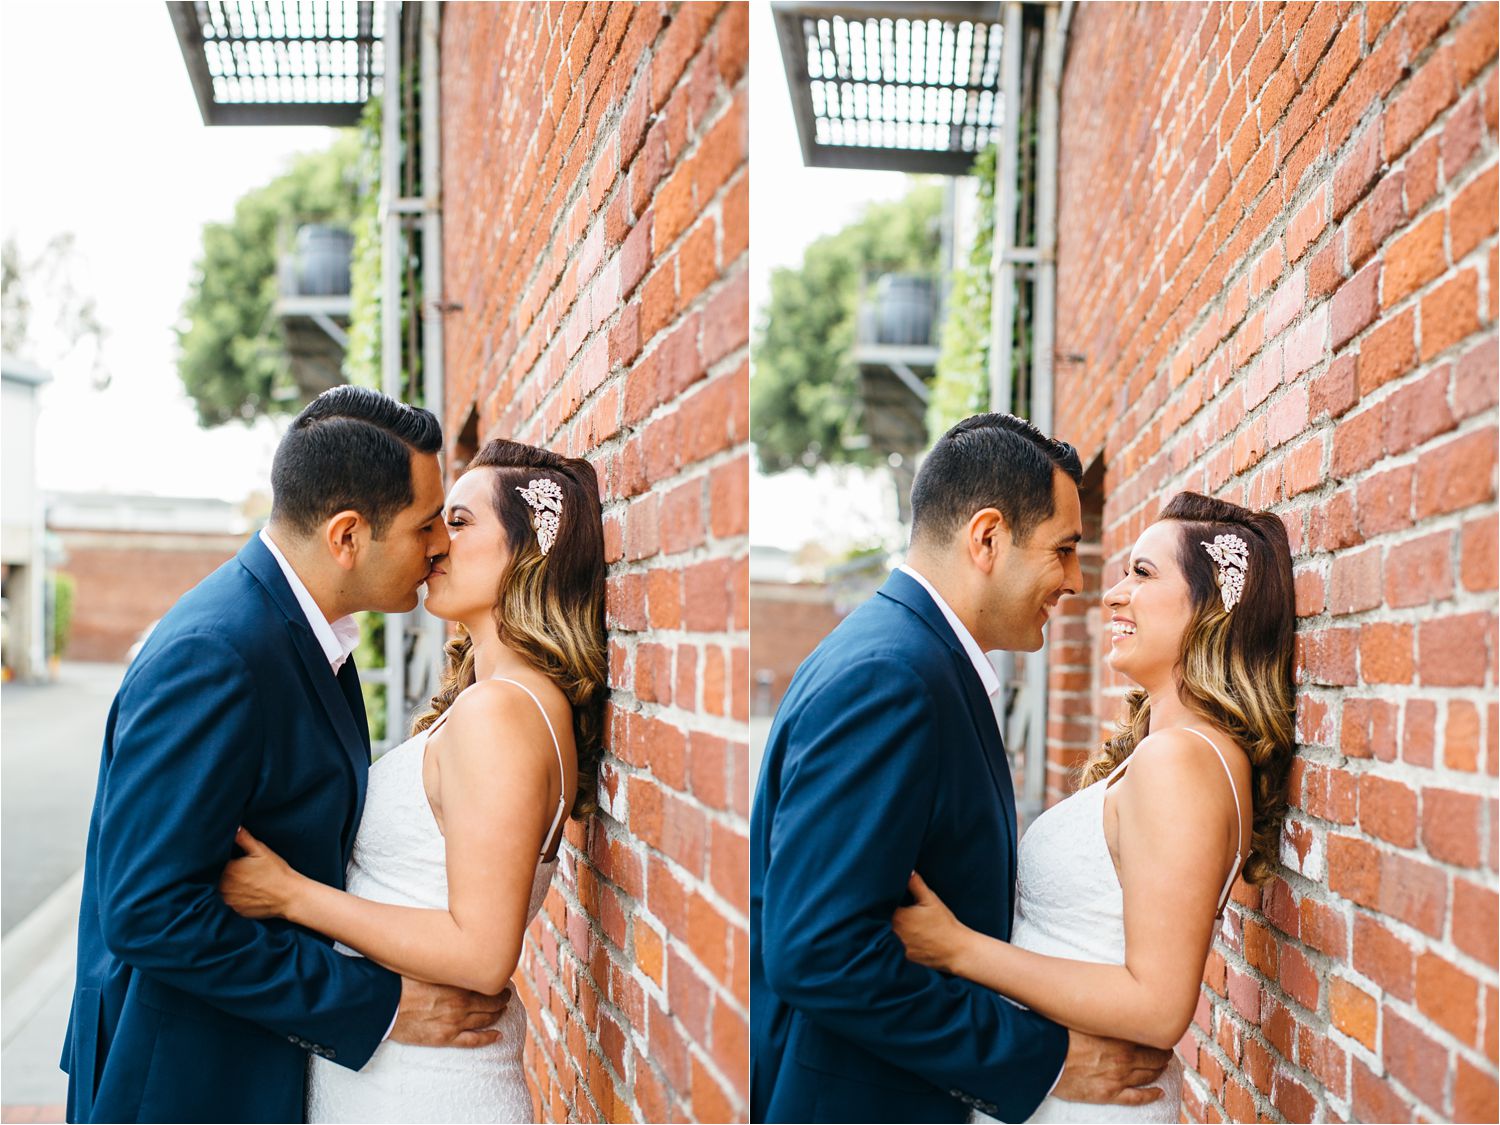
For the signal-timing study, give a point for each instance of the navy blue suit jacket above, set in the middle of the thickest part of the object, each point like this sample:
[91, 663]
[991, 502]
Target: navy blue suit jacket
[183, 1010]
[884, 758]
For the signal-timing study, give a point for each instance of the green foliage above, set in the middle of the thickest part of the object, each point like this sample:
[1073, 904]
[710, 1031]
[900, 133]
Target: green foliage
[232, 356]
[60, 589]
[362, 357]
[370, 653]
[960, 386]
[803, 395]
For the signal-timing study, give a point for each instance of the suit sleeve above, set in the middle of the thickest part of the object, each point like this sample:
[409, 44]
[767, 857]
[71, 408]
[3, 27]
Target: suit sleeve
[187, 750]
[858, 788]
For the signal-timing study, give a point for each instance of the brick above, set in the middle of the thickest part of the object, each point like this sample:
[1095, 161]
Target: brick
[1420, 175]
[1384, 957]
[1413, 1057]
[1381, 214]
[1476, 380]
[1385, 653]
[1476, 1096]
[1354, 871]
[1431, 90]
[1384, 501]
[1419, 732]
[1417, 413]
[1418, 571]
[1354, 583]
[1476, 920]
[1356, 172]
[1477, 554]
[1413, 259]
[1457, 474]
[1353, 1011]
[1388, 810]
[1453, 826]
[1462, 137]
[1472, 214]
[1308, 224]
[1376, 1099]
[1335, 391]
[1450, 313]
[1358, 441]
[1413, 892]
[1355, 305]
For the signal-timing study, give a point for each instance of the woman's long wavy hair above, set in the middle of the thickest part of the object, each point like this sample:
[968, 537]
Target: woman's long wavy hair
[549, 608]
[1235, 667]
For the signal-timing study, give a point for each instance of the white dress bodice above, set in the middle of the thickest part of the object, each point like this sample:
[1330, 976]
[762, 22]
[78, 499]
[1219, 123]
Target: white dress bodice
[399, 858]
[1069, 904]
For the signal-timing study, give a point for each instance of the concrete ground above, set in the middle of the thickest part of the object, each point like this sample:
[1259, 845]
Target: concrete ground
[50, 735]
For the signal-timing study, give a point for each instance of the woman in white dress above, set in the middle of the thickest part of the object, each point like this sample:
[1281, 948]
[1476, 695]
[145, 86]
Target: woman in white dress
[462, 822]
[1119, 885]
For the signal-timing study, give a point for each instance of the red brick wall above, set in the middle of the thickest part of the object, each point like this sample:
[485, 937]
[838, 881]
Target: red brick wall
[595, 233]
[125, 581]
[1278, 256]
[787, 621]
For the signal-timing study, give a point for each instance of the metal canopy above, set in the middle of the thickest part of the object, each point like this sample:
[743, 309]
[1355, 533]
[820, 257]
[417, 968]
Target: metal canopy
[259, 63]
[910, 87]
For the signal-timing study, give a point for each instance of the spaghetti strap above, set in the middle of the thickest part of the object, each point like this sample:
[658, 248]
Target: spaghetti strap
[1239, 824]
[549, 842]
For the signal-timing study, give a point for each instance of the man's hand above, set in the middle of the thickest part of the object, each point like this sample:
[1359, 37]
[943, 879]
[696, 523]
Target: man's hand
[437, 1015]
[1110, 1071]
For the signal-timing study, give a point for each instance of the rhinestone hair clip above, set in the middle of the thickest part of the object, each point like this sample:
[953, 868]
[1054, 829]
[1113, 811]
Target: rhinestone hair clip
[1233, 556]
[545, 498]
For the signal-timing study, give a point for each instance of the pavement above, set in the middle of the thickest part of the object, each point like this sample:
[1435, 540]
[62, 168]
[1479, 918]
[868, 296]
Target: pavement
[50, 735]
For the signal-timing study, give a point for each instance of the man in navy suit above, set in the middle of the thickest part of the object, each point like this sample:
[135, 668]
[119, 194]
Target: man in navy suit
[885, 758]
[243, 708]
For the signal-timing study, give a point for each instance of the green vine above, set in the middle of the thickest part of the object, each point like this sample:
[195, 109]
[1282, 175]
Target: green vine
[362, 357]
[960, 385]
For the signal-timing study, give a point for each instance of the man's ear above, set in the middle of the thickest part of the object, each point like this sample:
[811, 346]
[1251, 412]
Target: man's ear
[345, 535]
[986, 538]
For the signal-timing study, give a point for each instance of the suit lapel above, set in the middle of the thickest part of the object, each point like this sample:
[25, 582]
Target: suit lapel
[906, 591]
[340, 697]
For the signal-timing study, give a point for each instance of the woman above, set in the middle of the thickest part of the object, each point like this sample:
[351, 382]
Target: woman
[462, 822]
[1120, 884]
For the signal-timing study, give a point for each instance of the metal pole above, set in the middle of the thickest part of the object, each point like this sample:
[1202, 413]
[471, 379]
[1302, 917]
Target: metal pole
[1002, 297]
[390, 328]
[1044, 335]
[1002, 267]
[431, 631]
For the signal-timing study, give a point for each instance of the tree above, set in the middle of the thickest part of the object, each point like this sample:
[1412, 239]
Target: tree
[231, 350]
[805, 384]
[48, 283]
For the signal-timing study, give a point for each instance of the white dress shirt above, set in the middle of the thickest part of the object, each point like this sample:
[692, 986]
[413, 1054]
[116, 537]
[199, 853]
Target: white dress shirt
[338, 638]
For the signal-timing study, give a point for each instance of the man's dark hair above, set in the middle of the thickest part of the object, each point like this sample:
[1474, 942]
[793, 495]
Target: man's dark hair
[989, 461]
[350, 448]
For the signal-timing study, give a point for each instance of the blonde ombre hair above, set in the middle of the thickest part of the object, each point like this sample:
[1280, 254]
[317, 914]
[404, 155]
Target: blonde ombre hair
[549, 608]
[1235, 667]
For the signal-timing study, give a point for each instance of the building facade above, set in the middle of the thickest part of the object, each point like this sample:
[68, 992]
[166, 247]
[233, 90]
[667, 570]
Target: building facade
[1277, 284]
[595, 187]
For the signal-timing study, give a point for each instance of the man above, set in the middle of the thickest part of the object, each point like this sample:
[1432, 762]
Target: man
[885, 758]
[244, 709]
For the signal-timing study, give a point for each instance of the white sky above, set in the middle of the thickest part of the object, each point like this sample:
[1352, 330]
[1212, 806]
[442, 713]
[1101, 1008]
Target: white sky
[791, 206]
[100, 135]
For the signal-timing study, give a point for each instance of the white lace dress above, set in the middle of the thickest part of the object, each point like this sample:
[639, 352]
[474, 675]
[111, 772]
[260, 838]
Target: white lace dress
[399, 858]
[1069, 904]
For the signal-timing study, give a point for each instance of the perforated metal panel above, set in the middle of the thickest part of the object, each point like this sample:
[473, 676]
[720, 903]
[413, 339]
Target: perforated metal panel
[908, 87]
[280, 64]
